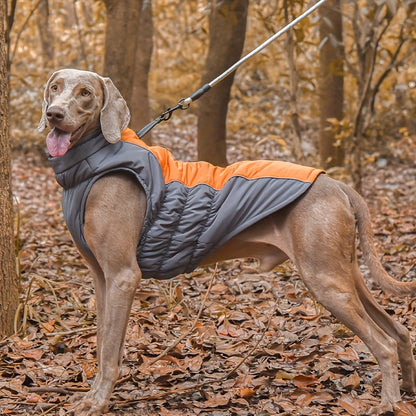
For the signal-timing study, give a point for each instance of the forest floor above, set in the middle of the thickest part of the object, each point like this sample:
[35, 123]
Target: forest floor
[261, 346]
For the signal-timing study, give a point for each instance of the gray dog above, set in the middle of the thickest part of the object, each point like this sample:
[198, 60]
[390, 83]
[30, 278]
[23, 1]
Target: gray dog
[135, 212]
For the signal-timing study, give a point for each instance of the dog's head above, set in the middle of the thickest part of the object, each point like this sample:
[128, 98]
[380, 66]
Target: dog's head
[79, 103]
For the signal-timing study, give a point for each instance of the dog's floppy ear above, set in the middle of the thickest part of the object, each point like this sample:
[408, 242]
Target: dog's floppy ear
[115, 115]
[42, 123]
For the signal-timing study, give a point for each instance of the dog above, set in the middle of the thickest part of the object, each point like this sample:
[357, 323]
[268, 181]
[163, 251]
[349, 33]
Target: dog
[316, 230]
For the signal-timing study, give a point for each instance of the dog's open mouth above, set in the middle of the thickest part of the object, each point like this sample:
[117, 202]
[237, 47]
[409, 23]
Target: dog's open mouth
[59, 141]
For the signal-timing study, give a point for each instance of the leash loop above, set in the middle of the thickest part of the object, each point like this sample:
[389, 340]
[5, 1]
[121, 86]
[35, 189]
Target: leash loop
[166, 115]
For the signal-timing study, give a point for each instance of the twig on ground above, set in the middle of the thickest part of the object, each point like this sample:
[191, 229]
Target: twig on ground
[92, 329]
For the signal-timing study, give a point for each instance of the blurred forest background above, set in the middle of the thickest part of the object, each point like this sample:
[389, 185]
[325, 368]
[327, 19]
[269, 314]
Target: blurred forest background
[277, 97]
[338, 91]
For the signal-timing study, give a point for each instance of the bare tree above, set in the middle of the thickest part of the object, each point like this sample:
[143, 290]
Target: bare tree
[331, 83]
[46, 35]
[140, 107]
[128, 52]
[370, 27]
[9, 288]
[121, 43]
[227, 28]
[293, 80]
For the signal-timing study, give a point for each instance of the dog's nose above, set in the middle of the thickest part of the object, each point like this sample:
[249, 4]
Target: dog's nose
[55, 114]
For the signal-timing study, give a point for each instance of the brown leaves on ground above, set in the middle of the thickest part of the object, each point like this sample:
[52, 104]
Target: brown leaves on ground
[305, 362]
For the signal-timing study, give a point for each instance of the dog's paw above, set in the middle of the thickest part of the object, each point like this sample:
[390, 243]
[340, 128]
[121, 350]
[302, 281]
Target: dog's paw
[404, 408]
[399, 408]
[408, 387]
[90, 405]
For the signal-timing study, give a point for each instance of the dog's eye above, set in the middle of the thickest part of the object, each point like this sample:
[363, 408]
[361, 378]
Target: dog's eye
[85, 92]
[54, 88]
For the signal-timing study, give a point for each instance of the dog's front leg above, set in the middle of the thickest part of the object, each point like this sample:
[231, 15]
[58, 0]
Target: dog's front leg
[113, 219]
[119, 294]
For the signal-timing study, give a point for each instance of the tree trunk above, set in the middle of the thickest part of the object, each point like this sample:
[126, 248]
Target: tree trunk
[45, 34]
[227, 27]
[9, 288]
[293, 82]
[121, 43]
[140, 106]
[331, 83]
[128, 52]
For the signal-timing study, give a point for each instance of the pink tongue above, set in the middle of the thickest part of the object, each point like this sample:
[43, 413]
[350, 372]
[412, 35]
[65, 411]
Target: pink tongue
[58, 142]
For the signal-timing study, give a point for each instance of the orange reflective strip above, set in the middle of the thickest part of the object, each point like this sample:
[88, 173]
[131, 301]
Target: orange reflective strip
[195, 173]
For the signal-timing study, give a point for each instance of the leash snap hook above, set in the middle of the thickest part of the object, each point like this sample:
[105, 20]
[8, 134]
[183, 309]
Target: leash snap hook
[183, 105]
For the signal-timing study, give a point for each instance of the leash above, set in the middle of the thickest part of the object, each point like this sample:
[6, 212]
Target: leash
[184, 103]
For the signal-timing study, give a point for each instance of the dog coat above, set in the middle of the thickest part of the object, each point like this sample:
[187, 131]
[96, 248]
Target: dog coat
[193, 208]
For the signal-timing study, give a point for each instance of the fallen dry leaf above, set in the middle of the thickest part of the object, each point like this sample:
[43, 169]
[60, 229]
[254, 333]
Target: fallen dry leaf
[33, 354]
[245, 392]
[351, 404]
[305, 381]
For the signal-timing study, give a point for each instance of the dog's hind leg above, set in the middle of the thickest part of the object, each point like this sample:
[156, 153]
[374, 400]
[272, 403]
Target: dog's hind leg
[395, 330]
[320, 234]
[344, 303]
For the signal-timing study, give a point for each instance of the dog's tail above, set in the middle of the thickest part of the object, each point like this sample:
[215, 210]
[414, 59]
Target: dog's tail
[370, 257]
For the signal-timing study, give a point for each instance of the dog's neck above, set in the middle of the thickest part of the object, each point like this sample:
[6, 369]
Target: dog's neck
[89, 135]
